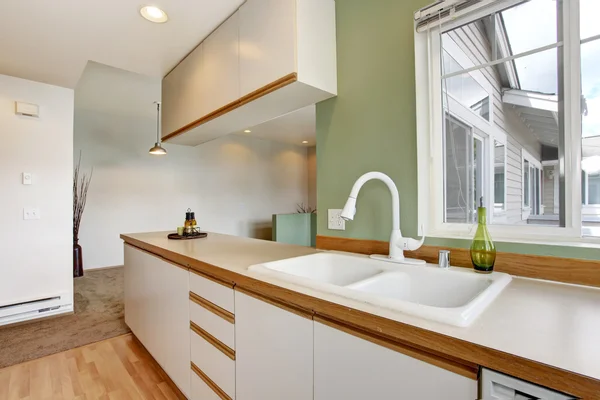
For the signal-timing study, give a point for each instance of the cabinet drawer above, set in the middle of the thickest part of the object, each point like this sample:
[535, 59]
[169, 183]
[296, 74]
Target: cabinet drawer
[201, 390]
[217, 293]
[214, 363]
[213, 319]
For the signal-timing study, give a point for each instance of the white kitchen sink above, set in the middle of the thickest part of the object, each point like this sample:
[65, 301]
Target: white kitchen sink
[325, 267]
[455, 296]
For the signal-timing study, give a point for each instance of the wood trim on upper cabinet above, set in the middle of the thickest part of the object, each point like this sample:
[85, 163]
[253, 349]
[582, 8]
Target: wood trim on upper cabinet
[284, 306]
[566, 270]
[263, 91]
[469, 370]
[209, 382]
[213, 308]
[222, 347]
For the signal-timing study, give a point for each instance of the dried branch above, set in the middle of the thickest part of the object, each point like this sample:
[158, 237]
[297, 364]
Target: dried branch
[81, 184]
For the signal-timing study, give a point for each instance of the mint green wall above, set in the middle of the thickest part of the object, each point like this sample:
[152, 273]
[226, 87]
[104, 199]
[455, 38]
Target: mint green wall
[370, 125]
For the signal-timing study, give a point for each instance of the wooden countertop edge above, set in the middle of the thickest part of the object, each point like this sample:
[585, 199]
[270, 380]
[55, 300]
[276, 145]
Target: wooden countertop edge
[405, 334]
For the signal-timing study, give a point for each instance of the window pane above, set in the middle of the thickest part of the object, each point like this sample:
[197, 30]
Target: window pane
[458, 162]
[590, 142]
[538, 72]
[478, 170]
[464, 88]
[518, 101]
[589, 10]
[499, 177]
[526, 183]
[530, 25]
[594, 189]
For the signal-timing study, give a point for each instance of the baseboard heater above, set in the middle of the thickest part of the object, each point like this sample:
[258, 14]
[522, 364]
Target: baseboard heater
[35, 308]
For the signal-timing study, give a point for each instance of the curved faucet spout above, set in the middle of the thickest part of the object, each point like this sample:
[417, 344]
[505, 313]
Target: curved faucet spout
[397, 243]
[350, 208]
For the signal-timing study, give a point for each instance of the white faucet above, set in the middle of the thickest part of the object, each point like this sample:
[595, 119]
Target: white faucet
[397, 243]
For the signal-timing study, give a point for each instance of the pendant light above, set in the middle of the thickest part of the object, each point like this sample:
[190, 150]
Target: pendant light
[157, 150]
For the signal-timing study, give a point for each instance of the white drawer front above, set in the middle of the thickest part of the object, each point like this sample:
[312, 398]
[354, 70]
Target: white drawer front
[214, 292]
[200, 390]
[216, 365]
[213, 324]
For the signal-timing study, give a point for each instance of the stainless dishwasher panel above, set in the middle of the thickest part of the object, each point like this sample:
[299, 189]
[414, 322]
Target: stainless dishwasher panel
[497, 386]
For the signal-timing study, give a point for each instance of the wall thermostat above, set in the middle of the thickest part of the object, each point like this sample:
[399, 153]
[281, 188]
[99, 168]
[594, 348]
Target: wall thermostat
[27, 109]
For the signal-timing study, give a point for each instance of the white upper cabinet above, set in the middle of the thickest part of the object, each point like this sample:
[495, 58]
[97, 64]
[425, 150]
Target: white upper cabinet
[267, 42]
[221, 65]
[270, 58]
[350, 368]
[184, 92]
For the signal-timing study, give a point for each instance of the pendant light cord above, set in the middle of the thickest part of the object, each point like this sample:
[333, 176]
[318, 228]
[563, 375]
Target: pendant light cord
[158, 122]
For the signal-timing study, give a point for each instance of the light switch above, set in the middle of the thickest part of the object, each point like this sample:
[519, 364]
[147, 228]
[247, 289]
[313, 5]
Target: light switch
[27, 178]
[31, 213]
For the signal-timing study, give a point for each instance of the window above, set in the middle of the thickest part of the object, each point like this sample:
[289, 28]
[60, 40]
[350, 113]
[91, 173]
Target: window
[498, 105]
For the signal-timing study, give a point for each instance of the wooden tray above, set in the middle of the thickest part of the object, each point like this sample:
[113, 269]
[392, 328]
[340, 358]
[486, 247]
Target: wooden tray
[198, 235]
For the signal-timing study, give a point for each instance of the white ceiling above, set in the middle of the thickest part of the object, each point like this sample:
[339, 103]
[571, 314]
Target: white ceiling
[52, 41]
[292, 128]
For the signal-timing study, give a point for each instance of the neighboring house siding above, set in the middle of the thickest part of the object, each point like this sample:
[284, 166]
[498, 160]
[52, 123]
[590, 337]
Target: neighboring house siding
[474, 43]
[548, 189]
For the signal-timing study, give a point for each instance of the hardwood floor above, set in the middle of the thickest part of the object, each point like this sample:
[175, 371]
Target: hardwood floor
[118, 368]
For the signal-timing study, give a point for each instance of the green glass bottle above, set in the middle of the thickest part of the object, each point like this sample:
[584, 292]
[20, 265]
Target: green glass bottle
[483, 250]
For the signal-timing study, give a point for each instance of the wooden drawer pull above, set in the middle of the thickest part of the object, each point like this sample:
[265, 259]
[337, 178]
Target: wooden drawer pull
[213, 340]
[210, 383]
[212, 307]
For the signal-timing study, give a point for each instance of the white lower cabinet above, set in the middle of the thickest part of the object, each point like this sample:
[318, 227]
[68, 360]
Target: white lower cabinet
[274, 352]
[267, 350]
[350, 368]
[201, 391]
[157, 311]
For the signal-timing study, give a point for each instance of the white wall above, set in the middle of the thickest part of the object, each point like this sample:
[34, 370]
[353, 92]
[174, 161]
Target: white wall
[37, 255]
[234, 184]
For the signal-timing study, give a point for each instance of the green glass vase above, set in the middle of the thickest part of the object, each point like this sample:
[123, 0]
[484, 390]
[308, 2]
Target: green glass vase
[483, 250]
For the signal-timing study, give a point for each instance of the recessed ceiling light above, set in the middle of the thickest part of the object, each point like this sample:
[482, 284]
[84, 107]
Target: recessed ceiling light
[304, 141]
[247, 131]
[154, 14]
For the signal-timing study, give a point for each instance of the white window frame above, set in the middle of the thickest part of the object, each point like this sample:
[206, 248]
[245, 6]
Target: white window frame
[430, 128]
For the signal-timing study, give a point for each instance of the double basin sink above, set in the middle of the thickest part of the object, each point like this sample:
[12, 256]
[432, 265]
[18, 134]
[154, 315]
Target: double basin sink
[454, 296]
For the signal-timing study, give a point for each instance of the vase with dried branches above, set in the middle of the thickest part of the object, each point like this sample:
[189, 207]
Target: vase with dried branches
[81, 184]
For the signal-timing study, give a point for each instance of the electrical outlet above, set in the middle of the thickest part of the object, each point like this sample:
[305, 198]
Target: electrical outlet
[335, 221]
[31, 213]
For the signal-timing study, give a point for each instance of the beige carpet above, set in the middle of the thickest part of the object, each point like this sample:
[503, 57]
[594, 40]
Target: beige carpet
[98, 316]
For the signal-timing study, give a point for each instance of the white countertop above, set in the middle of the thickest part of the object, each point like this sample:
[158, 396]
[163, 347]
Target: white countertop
[551, 323]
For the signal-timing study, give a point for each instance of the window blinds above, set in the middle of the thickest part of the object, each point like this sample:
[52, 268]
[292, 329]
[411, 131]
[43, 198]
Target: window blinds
[445, 10]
